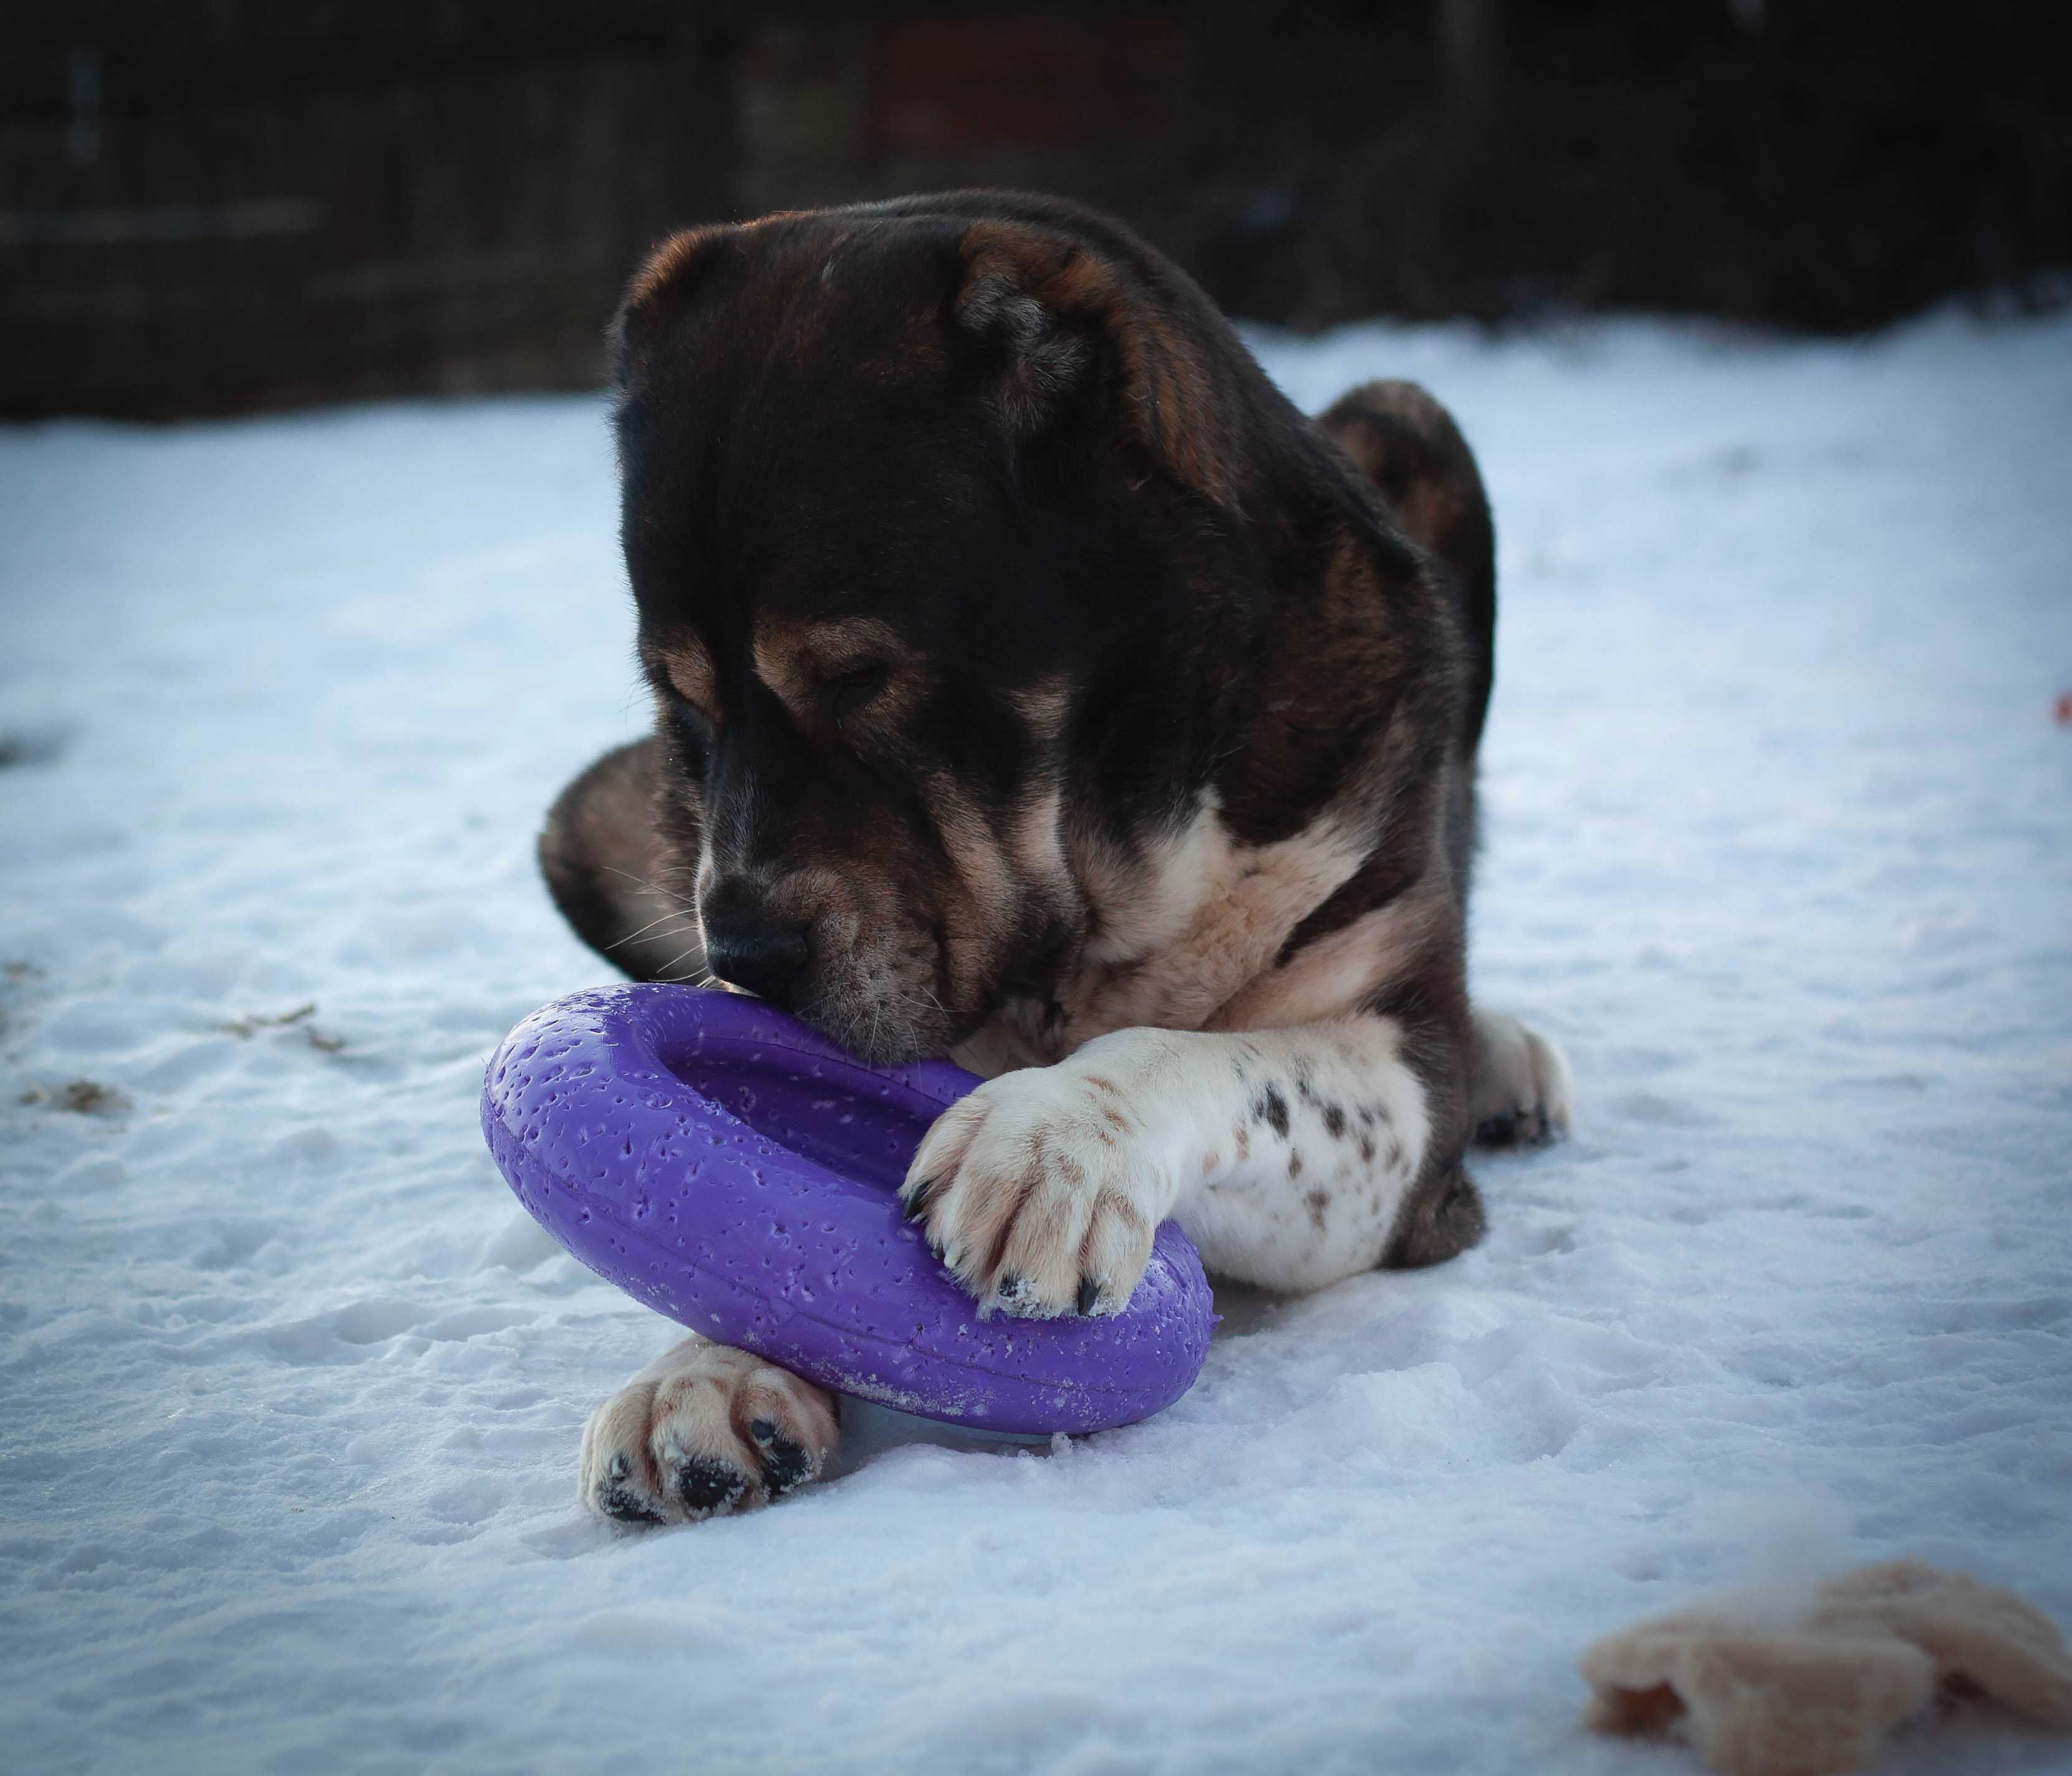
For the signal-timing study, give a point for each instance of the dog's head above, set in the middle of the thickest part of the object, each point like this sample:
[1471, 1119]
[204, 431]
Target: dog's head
[906, 493]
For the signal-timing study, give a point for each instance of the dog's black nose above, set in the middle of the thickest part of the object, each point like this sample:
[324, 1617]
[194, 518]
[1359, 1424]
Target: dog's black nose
[745, 945]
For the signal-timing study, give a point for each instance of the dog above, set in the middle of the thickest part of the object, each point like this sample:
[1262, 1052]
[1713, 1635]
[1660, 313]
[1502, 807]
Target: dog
[1035, 685]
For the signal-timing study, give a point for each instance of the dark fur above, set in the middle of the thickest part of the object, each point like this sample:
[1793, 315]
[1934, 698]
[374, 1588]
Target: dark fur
[1030, 445]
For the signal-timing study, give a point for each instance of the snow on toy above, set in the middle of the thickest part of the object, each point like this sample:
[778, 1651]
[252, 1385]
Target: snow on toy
[739, 1172]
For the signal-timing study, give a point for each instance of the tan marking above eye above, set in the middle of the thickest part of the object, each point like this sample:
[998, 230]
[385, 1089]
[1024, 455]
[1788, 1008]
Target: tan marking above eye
[688, 666]
[796, 659]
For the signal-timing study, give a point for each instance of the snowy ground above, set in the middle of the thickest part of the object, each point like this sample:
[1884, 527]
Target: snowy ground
[1779, 843]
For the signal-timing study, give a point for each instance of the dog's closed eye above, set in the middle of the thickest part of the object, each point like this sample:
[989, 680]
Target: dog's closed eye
[692, 730]
[849, 692]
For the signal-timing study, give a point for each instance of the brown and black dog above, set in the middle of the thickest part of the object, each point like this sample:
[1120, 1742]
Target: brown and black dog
[1035, 685]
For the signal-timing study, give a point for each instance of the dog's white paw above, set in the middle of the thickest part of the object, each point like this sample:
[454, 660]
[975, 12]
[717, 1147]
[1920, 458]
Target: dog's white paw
[1520, 1093]
[1041, 1189]
[704, 1430]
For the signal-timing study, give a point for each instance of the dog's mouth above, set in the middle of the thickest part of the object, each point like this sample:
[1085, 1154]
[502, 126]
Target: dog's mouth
[880, 994]
[896, 973]
[885, 1031]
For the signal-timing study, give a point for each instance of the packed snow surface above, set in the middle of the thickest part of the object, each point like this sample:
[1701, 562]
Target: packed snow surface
[1778, 843]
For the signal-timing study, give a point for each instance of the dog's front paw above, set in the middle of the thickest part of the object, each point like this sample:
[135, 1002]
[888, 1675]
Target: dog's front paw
[1520, 1094]
[704, 1430]
[1042, 1191]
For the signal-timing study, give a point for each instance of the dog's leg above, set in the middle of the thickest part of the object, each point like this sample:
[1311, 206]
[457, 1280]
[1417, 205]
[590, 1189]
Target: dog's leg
[1519, 1092]
[610, 868]
[1405, 442]
[1292, 1158]
[703, 1430]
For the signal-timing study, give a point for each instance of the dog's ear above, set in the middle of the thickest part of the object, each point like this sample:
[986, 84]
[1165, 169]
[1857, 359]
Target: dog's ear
[1056, 313]
[665, 283]
[1037, 303]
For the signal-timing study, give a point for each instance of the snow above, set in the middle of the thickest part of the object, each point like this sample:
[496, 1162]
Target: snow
[1778, 844]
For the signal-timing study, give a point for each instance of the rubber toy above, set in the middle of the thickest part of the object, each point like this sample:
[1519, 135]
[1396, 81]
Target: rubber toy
[737, 1172]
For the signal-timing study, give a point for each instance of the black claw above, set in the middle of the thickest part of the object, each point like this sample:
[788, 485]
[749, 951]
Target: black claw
[785, 1465]
[617, 1500]
[1090, 1294]
[1012, 1283]
[1529, 1125]
[1498, 1131]
[620, 1503]
[917, 1203]
[706, 1484]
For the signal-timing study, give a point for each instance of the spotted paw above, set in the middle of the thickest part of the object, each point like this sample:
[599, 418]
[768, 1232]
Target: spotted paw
[1520, 1093]
[1043, 1189]
[704, 1430]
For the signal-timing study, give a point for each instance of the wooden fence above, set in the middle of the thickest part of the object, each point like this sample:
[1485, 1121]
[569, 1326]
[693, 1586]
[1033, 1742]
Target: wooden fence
[271, 204]
[208, 206]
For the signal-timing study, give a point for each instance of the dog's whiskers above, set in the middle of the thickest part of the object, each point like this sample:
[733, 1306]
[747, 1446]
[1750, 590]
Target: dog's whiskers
[663, 973]
[650, 926]
[676, 909]
[927, 1001]
[641, 881]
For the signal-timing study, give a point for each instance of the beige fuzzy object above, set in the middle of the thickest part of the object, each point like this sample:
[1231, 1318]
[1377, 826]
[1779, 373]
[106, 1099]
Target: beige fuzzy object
[1805, 1690]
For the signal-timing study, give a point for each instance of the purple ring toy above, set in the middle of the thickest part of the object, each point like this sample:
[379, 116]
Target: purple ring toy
[737, 1171]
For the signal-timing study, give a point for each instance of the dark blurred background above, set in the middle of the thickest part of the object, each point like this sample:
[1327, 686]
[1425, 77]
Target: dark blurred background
[209, 208]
